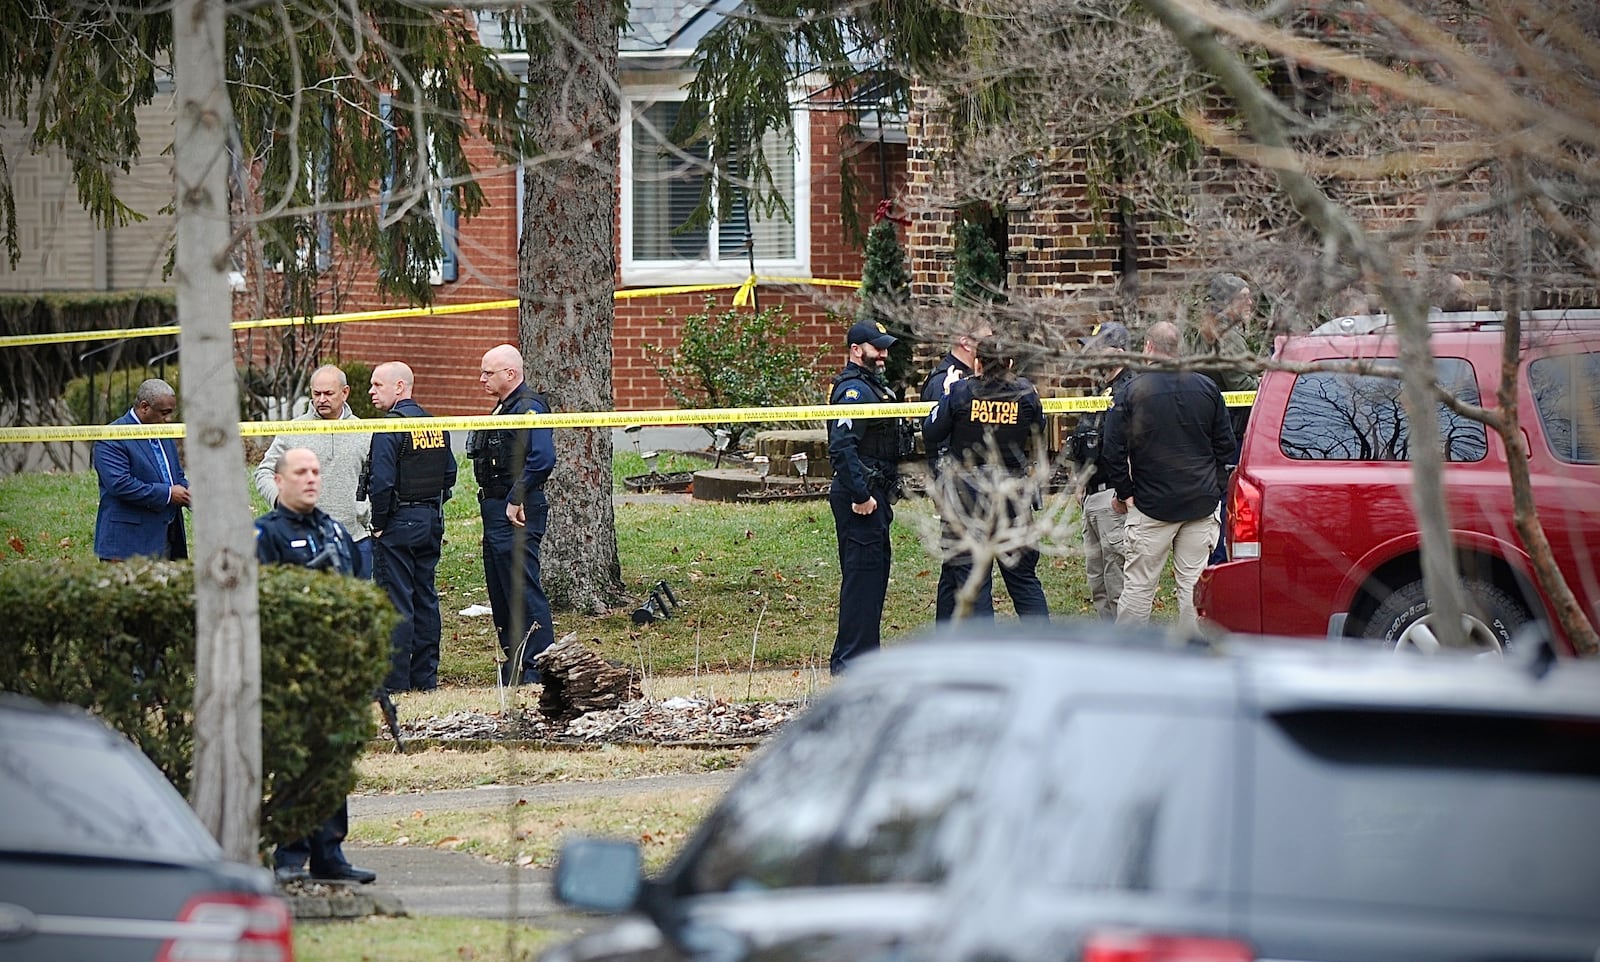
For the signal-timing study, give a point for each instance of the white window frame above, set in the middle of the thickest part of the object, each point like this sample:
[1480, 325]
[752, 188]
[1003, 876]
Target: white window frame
[637, 273]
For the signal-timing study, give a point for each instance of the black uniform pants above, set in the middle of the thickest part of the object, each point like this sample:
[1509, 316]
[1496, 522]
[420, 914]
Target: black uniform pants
[404, 561]
[323, 847]
[864, 555]
[499, 566]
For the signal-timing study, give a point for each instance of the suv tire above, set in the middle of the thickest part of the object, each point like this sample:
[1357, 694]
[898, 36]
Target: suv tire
[1492, 616]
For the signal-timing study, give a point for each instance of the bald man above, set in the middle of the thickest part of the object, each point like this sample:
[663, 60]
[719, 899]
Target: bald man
[410, 474]
[512, 467]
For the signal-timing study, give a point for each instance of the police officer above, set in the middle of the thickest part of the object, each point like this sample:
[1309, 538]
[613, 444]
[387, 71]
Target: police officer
[297, 532]
[1102, 527]
[864, 453]
[410, 477]
[994, 426]
[512, 468]
[957, 364]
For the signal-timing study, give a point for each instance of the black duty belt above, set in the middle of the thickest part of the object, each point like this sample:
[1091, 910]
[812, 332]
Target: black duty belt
[493, 493]
[428, 503]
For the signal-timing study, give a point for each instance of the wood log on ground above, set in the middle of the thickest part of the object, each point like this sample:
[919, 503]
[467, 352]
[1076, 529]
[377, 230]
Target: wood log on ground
[577, 681]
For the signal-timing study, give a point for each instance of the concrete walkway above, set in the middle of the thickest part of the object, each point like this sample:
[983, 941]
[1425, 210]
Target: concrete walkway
[420, 880]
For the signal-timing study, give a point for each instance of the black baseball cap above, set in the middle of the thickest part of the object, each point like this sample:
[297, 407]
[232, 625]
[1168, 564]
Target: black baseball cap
[871, 332]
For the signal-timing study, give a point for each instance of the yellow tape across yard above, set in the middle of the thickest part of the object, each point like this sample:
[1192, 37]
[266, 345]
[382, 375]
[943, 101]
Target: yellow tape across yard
[559, 419]
[398, 313]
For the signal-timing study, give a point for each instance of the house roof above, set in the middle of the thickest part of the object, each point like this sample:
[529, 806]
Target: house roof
[662, 33]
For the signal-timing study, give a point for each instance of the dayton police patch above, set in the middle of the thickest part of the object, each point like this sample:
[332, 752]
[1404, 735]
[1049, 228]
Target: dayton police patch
[852, 395]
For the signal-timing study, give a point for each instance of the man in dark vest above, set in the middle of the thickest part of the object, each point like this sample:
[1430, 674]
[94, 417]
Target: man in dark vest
[865, 453]
[297, 532]
[410, 474]
[512, 467]
[994, 427]
[956, 365]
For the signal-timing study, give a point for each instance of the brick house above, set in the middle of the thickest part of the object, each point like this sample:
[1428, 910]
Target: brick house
[444, 352]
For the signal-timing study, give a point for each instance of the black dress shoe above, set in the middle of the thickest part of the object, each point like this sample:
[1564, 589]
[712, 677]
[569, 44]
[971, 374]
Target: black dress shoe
[286, 874]
[345, 873]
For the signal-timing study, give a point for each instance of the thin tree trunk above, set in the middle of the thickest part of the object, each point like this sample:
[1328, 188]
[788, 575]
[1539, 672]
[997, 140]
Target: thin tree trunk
[227, 724]
[567, 272]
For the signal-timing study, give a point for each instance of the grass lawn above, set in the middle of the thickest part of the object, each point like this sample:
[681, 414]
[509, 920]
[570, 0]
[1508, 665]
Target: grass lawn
[758, 583]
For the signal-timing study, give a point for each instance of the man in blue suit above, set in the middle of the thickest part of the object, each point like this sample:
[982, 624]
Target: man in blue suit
[142, 487]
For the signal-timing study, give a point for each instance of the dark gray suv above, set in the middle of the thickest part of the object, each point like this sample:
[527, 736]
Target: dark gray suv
[1093, 795]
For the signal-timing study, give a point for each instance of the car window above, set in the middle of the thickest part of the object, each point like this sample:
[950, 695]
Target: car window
[1336, 416]
[74, 789]
[1437, 811]
[917, 812]
[773, 828]
[1134, 799]
[1566, 389]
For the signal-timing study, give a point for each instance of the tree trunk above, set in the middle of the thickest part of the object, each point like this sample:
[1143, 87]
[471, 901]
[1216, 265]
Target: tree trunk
[227, 698]
[567, 272]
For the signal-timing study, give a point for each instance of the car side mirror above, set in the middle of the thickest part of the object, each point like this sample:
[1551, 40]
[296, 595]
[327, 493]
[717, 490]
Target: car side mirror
[599, 875]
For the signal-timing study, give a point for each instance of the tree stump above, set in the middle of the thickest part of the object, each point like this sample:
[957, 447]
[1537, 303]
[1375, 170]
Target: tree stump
[577, 681]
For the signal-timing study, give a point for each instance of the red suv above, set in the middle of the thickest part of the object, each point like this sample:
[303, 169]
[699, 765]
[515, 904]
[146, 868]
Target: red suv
[1323, 539]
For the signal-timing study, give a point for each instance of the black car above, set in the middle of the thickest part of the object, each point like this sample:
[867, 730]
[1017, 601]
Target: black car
[1089, 794]
[102, 859]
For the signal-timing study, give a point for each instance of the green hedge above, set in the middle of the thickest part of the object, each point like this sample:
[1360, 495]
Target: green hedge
[114, 392]
[119, 639]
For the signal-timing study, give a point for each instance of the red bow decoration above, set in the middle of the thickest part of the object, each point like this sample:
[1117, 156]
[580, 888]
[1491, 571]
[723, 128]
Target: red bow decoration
[885, 211]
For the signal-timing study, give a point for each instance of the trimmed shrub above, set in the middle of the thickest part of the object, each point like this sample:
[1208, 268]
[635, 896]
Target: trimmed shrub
[118, 639]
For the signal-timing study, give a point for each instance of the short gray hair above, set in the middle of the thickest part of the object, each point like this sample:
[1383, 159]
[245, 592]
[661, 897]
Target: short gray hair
[152, 391]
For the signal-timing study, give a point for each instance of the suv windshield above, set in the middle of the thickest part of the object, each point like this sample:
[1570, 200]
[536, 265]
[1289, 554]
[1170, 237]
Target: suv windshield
[1436, 811]
[1336, 416]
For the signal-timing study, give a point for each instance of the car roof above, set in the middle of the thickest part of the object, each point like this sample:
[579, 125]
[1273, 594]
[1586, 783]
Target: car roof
[1094, 660]
[1576, 319]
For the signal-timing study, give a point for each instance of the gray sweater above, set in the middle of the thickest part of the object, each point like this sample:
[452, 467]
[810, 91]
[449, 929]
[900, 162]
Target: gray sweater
[343, 458]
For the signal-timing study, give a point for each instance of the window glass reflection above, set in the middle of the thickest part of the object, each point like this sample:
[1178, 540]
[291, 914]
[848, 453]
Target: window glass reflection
[1566, 390]
[1336, 416]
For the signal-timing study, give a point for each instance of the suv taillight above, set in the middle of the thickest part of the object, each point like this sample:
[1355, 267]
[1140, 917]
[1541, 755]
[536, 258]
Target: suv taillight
[232, 927]
[1244, 519]
[1147, 947]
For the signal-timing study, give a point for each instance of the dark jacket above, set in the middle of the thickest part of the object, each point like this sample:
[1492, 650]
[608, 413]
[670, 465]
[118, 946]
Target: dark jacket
[312, 540]
[1008, 410]
[136, 516]
[1168, 444]
[934, 389]
[1086, 446]
[408, 466]
[508, 463]
[864, 451]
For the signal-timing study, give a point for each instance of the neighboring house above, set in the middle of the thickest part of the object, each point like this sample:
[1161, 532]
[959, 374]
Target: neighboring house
[62, 248]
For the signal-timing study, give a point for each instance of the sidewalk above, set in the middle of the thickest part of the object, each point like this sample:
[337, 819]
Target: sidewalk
[417, 880]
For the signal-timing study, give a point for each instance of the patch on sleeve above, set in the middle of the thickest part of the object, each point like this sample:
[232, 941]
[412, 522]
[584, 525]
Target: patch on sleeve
[852, 395]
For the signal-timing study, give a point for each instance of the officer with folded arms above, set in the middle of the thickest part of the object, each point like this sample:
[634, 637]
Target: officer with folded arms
[410, 474]
[297, 532]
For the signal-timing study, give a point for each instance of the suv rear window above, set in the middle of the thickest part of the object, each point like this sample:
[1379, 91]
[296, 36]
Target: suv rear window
[1335, 416]
[1439, 811]
[1566, 389]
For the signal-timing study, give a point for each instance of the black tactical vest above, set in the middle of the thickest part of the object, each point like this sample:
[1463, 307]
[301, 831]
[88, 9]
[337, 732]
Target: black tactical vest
[424, 463]
[998, 409]
[882, 439]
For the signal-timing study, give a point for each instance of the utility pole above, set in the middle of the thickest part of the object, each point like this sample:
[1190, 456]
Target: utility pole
[227, 697]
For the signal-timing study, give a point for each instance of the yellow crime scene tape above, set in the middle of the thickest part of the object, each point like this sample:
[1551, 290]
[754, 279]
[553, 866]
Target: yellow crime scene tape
[741, 298]
[559, 419]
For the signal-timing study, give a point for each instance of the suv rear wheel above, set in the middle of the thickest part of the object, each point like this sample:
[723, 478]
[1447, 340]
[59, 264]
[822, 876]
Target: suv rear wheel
[1403, 620]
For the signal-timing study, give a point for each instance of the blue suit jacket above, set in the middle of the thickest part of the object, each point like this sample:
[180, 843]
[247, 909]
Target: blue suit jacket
[135, 517]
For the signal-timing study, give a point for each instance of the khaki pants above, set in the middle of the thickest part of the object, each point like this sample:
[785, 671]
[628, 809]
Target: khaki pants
[1147, 543]
[1103, 552]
